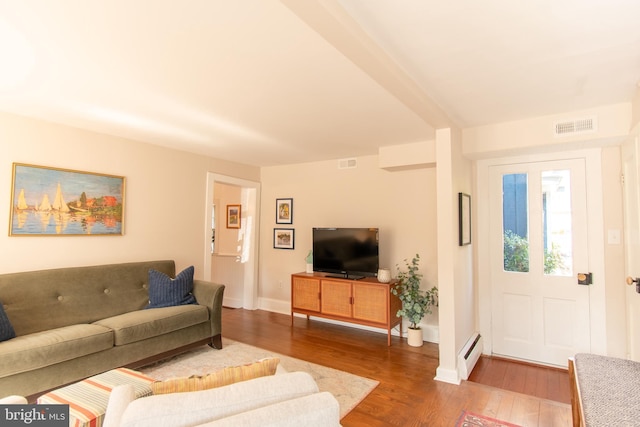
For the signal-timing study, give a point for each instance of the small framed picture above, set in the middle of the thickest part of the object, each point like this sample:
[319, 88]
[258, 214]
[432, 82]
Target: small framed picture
[233, 216]
[284, 211]
[464, 219]
[283, 238]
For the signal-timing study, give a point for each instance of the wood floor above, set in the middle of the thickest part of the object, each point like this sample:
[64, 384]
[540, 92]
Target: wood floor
[407, 394]
[544, 382]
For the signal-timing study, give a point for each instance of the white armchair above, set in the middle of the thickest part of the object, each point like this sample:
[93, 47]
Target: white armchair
[290, 399]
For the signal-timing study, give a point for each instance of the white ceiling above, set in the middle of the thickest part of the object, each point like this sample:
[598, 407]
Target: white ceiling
[268, 82]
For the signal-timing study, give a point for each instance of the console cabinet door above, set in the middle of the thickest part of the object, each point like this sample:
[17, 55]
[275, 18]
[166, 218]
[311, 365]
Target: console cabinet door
[305, 293]
[370, 302]
[336, 298]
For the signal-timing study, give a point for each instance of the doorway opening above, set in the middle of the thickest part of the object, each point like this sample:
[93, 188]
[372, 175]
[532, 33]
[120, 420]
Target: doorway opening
[231, 244]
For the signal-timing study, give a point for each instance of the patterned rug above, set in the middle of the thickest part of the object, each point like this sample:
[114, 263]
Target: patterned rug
[348, 389]
[469, 419]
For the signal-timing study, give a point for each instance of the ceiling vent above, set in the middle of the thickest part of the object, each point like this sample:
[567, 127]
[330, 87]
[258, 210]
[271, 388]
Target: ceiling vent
[347, 164]
[577, 126]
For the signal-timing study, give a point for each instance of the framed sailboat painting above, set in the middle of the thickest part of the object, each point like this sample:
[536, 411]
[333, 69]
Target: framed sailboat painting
[47, 201]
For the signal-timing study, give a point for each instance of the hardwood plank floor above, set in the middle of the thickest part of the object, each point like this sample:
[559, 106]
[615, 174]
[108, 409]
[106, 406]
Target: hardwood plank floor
[407, 395]
[540, 381]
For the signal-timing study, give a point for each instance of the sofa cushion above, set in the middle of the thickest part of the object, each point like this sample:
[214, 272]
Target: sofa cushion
[40, 349]
[314, 410]
[142, 324]
[193, 408]
[166, 292]
[226, 376]
[6, 330]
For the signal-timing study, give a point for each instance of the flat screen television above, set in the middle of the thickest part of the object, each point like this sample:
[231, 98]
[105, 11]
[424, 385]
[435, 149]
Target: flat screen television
[346, 252]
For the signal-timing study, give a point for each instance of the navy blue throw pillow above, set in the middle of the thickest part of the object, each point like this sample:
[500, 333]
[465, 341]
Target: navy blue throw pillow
[6, 330]
[167, 292]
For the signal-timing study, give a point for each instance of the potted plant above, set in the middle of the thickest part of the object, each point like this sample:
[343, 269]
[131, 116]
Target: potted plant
[416, 303]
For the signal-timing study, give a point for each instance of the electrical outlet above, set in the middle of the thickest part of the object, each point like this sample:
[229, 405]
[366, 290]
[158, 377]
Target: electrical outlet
[280, 284]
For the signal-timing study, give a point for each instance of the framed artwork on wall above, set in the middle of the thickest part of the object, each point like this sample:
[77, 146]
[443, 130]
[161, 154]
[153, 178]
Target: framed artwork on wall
[233, 216]
[283, 238]
[464, 219]
[48, 201]
[284, 211]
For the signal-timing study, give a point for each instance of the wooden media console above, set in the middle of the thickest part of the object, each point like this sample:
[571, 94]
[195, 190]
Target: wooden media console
[364, 301]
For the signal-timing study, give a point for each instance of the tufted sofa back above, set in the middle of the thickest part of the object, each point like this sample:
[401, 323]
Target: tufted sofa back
[40, 300]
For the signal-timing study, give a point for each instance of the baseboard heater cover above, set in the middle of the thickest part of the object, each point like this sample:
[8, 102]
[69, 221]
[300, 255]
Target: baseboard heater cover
[469, 355]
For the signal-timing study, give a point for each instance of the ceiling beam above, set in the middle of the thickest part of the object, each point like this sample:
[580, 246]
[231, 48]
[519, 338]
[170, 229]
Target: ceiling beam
[337, 27]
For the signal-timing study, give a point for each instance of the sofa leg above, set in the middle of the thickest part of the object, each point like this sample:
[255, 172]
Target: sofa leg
[216, 342]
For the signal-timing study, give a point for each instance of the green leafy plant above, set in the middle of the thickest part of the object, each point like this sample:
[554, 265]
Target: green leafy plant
[516, 255]
[416, 303]
[516, 252]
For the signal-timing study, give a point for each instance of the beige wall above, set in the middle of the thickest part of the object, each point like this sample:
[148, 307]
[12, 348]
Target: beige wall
[457, 311]
[535, 135]
[614, 253]
[165, 196]
[402, 204]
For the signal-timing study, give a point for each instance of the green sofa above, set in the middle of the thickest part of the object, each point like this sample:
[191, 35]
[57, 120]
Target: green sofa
[72, 323]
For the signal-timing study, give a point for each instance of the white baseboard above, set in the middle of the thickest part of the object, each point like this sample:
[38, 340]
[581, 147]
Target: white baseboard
[274, 305]
[232, 302]
[447, 376]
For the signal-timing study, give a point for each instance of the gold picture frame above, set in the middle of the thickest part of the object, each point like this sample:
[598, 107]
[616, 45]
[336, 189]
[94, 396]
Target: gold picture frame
[49, 201]
[234, 215]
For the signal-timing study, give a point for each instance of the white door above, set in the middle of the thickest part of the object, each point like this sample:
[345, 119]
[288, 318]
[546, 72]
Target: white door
[538, 246]
[631, 174]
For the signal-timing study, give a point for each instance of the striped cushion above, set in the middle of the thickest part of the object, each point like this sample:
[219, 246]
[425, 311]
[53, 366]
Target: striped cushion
[167, 292]
[226, 376]
[88, 399]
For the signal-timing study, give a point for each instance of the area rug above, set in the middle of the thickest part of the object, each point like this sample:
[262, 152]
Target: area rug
[348, 389]
[469, 419]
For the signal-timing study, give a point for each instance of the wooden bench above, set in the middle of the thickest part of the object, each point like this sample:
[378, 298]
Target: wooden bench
[604, 391]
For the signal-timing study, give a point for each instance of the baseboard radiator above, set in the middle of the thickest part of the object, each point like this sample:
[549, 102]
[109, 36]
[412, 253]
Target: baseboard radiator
[469, 355]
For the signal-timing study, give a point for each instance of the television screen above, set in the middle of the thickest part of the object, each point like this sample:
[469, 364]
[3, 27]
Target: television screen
[347, 252]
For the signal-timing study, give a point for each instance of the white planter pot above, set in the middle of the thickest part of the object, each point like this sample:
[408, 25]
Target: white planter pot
[384, 275]
[414, 337]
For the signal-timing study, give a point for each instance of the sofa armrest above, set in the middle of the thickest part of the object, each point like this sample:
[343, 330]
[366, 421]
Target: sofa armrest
[314, 410]
[210, 295]
[13, 400]
[121, 396]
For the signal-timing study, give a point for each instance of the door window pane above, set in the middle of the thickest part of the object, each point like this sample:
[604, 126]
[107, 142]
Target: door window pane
[556, 222]
[515, 222]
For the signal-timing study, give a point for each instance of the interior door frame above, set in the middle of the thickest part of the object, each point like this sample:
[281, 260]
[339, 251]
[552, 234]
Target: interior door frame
[631, 146]
[250, 297]
[593, 167]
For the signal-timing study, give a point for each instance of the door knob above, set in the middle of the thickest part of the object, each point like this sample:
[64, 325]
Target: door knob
[585, 279]
[630, 281]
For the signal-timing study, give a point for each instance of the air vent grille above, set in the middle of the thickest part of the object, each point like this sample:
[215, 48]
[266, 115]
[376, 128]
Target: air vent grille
[569, 127]
[347, 163]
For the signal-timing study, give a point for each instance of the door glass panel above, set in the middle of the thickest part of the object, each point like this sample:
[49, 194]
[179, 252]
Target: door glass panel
[556, 222]
[515, 222]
